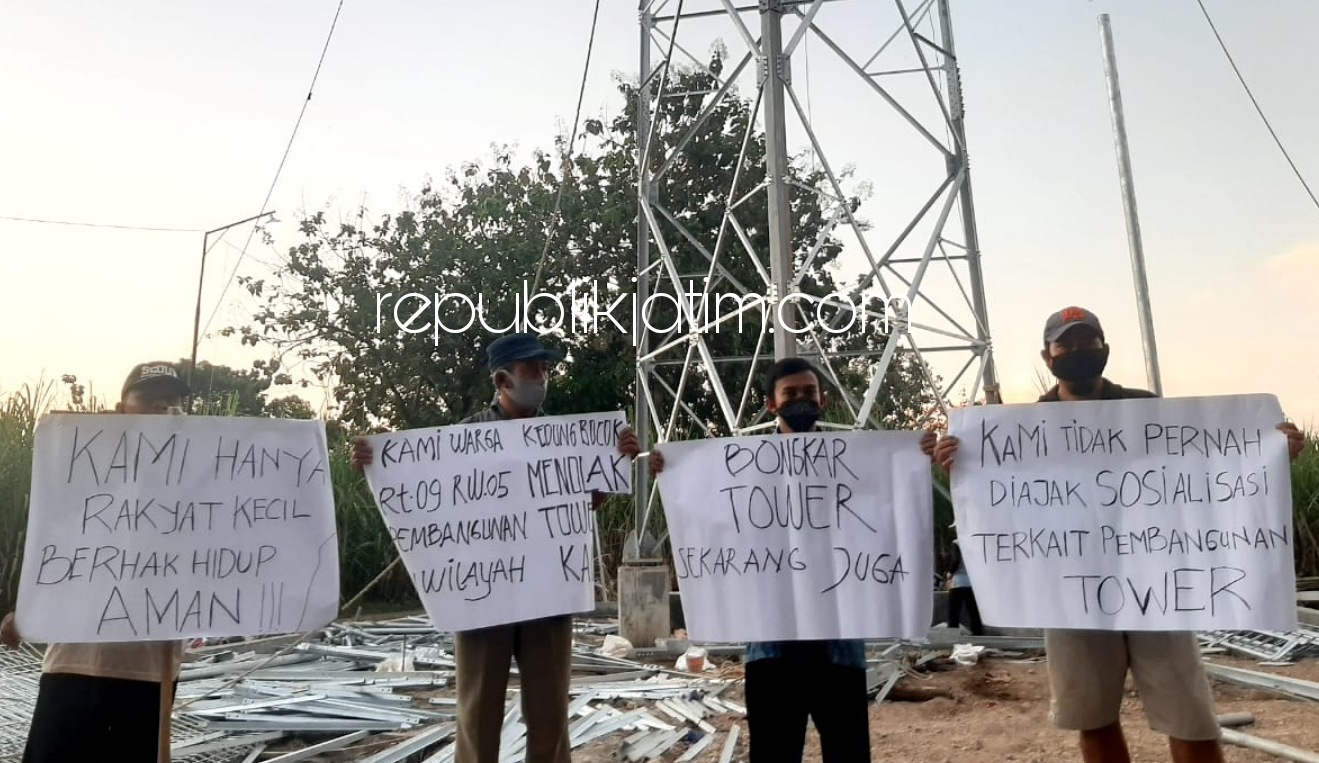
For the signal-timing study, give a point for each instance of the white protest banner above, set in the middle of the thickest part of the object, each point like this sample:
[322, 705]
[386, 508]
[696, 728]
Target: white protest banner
[493, 520]
[1137, 514]
[149, 527]
[802, 536]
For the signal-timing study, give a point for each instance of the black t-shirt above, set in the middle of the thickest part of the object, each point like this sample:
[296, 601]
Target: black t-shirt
[1109, 391]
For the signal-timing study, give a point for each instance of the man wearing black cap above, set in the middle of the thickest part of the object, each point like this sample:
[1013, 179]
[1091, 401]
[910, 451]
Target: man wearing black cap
[105, 699]
[1088, 668]
[519, 368]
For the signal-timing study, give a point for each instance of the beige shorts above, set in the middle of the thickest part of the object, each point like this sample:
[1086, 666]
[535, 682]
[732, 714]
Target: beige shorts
[1088, 672]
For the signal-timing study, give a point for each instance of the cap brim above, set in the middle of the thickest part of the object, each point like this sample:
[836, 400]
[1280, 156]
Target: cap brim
[552, 356]
[1054, 335]
[547, 355]
[171, 383]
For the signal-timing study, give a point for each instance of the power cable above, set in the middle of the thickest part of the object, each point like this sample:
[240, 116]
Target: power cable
[288, 148]
[1259, 110]
[567, 157]
[98, 225]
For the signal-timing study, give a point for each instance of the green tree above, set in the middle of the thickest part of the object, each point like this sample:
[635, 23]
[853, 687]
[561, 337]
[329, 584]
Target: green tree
[289, 407]
[481, 232]
[219, 389]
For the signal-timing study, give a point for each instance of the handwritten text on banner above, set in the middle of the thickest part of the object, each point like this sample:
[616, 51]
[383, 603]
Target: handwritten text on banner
[145, 528]
[805, 536]
[494, 520]
[1139, 514]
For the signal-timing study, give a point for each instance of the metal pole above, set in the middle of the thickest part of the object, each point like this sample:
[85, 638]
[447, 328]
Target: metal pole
[773, 73]
[641, 483]
[201, 279]
[197, 316]
[989, 375]
[1129, 209]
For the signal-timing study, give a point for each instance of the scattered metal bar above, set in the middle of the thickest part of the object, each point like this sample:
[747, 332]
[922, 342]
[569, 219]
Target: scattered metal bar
[415, 744]
[1256, 680]
[730, 746]
[696, 749]
[1265, 745]
[312, 751]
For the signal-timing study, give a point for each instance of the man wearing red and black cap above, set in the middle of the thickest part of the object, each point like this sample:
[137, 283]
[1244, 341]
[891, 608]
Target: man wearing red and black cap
[1088, 668]
[104, 699]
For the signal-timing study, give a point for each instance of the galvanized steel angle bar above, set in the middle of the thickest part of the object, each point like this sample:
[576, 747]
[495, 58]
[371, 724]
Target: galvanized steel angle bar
[892, 102]
[726, 756]
[579, 730]
[413, 745]
[292, 723]
[696, 749]
[312, 751]
[612, 725]
[349, 709]
[710, 257]
[223, 708]
[228, 742]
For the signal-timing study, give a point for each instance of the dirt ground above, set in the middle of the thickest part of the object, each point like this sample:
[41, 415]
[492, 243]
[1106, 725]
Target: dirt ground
[999, 712]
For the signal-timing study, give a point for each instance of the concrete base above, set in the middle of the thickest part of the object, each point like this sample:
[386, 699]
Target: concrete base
[643, 603]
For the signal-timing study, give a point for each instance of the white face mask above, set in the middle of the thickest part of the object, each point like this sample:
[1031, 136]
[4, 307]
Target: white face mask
[527, 393]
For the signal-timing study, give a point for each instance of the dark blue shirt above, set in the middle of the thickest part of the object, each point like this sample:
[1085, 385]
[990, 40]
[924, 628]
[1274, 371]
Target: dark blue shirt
[850, 653]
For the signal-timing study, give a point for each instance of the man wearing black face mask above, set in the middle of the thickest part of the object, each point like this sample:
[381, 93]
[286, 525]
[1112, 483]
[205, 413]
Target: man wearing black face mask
[789, 682]
[519, 367]
[1076, 354]
[1088, 668]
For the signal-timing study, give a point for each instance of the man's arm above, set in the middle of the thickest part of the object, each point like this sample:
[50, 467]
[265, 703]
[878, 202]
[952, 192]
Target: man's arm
[9, 635]
[1295, 439]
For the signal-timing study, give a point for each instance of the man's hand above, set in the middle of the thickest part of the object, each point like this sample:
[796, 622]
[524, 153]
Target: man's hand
[360, 454]
[945, 452]
[597, 499]
[1295, 439]
[928, 439]
[628, 444]
[656, 463]
[9, 632]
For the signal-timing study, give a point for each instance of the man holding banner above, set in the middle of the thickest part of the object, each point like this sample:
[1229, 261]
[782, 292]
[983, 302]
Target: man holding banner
[1088, 668]
[519, 368]
[789, 683]
[106, 698]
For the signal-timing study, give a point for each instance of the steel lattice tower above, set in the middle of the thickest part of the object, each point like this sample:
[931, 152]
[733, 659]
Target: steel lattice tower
[922, 258]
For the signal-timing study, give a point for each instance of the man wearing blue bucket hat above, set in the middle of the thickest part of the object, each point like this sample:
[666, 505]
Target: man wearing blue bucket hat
[519, 367]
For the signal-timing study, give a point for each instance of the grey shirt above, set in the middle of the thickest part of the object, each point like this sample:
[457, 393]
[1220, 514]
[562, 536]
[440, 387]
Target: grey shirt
[492, 412]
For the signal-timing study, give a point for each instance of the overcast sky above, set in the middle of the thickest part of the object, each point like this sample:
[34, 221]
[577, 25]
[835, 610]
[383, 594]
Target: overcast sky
[177, 115]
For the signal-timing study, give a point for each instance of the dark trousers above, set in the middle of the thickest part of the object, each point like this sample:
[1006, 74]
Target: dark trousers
[543, 650]
[87, 718]
[956, 598]
[782, 693]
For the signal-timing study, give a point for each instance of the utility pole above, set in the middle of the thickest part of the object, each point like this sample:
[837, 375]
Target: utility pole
[774, 74]
[201, 279]
[1129, 209]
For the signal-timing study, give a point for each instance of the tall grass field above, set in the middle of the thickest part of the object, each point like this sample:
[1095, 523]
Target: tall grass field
[366, 549]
